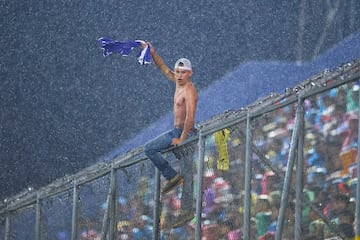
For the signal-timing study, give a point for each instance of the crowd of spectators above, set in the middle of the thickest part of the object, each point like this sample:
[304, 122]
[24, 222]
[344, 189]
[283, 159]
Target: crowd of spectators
[330, 171]
[330, 176]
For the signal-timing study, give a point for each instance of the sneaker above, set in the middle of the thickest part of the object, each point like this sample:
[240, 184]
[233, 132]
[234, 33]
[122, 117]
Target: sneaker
[172, 183]
[183, 218]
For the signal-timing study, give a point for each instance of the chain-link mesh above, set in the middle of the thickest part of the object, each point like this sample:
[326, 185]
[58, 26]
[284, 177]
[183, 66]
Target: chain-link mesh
[223, 184]
[330, 150]
[135, 201]
[22, 224]
[92, 206]
[272, 133]
[56, 215]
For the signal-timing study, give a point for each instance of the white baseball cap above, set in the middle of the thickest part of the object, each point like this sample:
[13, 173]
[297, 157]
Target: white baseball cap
[184, 64]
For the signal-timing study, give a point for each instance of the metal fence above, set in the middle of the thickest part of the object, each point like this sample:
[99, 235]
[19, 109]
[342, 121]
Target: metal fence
[284, 167]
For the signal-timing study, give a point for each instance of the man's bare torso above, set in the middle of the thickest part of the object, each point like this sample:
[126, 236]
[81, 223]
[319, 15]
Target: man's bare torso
[180, 96]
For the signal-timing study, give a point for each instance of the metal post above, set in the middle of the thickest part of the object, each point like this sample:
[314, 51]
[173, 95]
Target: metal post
[299, 176]
[200, 174]
[109, 207]
[7, 227]
[288, 174]
[38, 218]
[157, 207]
[112, 207]
[247, 200]
[74, 223]
[357, 215]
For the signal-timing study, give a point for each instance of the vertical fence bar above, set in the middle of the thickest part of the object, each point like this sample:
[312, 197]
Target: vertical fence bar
[74, 223]
[299, 176]
[109, 207]
[157, 207]
[7, 227]
[289, 170]
[357, 215]
[112, 206]
[200, 172]
[247, 201]
[38, 218]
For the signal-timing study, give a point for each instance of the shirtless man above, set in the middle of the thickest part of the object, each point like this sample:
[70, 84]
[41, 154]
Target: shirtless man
[185, 102]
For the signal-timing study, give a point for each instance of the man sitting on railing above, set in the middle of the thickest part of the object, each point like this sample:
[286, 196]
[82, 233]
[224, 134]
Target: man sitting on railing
[185, 103]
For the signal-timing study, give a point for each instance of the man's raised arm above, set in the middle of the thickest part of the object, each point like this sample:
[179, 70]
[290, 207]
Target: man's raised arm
[159, 62]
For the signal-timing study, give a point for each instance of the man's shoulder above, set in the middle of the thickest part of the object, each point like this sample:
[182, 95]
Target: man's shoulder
[191, 90]
[190, 86]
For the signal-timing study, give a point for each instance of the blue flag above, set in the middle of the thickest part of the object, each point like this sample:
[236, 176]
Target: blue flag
[124, 48]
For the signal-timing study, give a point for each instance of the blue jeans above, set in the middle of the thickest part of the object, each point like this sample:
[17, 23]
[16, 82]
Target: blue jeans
[154, 147]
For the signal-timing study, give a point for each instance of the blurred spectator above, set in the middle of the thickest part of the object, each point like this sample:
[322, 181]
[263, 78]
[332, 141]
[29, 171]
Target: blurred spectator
[137, 207]
[262, 214]
[317, 156]
[89, 235]
[313, 112]
[351, 138]
[352, 97]
[317, 177]
[270, 182]
[327, 106]
[289, 224]
[340, 98]
[256, 184]
[275, 155]
[316, 159]
[339, 204]
[209, 193]
[142, 228]
[275, 206]
[178, 234]
[267, 236]
[144, 192]
[223, 193]
[316, 224]
[234, 222]
[123, 230]
[337, 125]
[333, 163]
[346, 223]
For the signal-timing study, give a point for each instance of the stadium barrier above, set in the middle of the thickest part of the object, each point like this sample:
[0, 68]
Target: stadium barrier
[284, 167]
